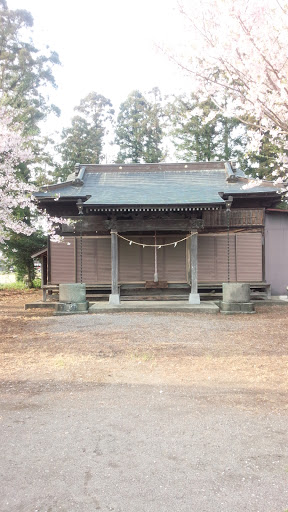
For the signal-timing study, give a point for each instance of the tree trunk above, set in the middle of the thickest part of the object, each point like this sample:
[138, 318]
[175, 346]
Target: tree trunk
[31, 276]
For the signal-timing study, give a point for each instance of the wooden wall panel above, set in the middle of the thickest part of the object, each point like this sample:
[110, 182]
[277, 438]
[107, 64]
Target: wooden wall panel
[249, 257]
[206, 258]
[222, 258]
[96, 260]
[89, 267]
[147, 259]
[137, 264]
[104, 260]
[238, 217]
[174, 261]
[130, 261]
[63, 261]
[245, 256]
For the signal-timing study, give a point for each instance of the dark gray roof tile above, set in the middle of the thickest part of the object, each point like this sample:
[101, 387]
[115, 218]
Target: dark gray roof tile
[155, 187]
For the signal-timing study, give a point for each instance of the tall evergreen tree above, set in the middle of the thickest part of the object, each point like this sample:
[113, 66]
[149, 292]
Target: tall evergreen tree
[139, 131]
[24, 70]
[83, 141]
[24, 73]
[201, 133]
[153, 148]
[263, 162]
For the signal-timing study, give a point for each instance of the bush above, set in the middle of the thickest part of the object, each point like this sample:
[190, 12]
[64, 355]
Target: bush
[37, 282]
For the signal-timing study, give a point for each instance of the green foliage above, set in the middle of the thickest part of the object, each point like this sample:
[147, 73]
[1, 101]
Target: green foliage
[155, 129]
[43, 162]
[19, 285]
[262, 163]
[24, 71]
[97, 109]
[83, 141]
[25, 74]
[37, 282]
[18, 250]
[77, 146]
[283, 205]
[200, 132]
[139, 130]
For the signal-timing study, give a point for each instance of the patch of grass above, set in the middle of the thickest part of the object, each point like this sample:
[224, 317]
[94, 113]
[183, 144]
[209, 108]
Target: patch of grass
[59, 362]
[143, 356]
[19, 285]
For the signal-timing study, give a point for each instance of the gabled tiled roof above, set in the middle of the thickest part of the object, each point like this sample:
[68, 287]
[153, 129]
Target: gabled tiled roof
[154, 184]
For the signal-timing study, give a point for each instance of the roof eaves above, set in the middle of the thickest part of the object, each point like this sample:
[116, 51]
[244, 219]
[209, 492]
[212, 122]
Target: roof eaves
[276, 210]
[78, 182]
[153, 207]
[251, 193]
[39, 253]
[64, 199]
[56, 186]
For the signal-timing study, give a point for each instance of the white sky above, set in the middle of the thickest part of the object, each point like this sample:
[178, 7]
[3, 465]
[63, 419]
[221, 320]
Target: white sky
[105, 46]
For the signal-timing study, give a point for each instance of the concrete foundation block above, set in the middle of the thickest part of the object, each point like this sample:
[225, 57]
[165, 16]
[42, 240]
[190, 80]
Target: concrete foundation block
[72, 293]
[114, 299]
[236, 292]
[232, 308]
[194, 298]
[72, 307]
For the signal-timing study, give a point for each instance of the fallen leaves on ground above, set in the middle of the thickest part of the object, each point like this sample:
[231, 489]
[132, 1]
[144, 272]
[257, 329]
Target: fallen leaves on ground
[237, 359]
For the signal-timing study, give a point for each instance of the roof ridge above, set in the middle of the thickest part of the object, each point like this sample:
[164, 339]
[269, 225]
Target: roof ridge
[176, 166]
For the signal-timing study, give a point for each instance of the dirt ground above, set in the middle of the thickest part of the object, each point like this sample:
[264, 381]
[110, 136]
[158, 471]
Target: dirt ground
[250, 352]
[140, 377]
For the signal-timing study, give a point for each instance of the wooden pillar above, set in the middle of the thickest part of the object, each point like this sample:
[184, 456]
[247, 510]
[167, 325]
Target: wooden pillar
[114, 298]
[44, 275]
[194, 297]
[48, 260]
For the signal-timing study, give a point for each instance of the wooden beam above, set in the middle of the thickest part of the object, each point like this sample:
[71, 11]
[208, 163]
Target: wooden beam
[90, 224]
[123, 226]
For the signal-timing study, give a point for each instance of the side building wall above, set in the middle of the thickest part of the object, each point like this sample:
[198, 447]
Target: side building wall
[276, 251]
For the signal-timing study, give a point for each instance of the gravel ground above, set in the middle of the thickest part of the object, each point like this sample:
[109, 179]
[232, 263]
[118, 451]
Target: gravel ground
[143, 412]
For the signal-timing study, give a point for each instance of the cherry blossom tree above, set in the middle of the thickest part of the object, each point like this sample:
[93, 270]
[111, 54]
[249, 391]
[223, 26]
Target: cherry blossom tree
[16, 195]
[240, 48]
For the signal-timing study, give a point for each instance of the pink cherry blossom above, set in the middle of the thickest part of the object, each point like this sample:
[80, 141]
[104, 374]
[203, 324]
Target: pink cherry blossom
[240, 47]
[15, 192]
